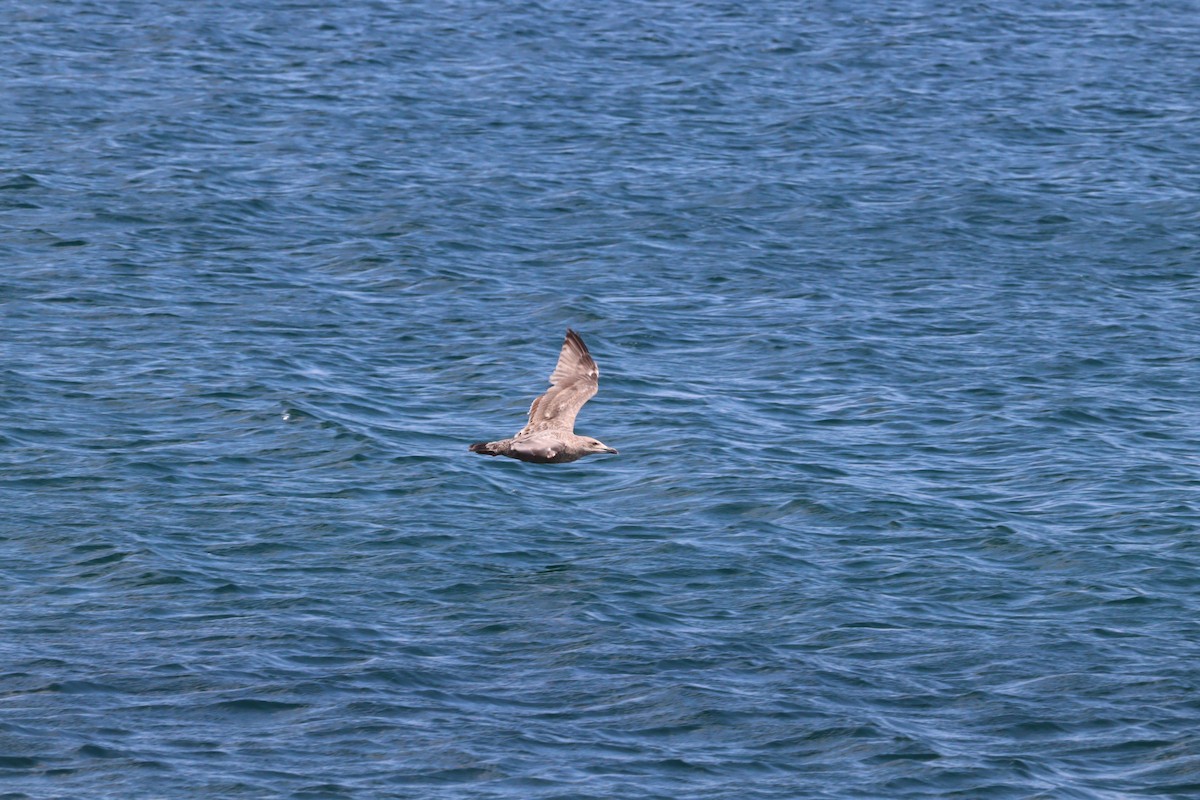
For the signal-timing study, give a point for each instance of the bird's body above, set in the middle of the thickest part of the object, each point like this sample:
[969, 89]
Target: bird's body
[549, 437]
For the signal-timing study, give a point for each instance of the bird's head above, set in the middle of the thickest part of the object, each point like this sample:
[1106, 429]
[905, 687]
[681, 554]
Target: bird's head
[597, 446]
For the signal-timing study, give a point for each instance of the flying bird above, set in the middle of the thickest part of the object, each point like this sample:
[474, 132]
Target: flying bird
[549, 437]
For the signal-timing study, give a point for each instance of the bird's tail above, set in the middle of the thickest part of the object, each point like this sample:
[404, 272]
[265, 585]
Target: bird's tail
[485, 448]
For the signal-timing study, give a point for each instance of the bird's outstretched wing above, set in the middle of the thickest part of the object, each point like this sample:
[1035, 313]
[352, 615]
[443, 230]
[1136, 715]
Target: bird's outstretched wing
[573, 382]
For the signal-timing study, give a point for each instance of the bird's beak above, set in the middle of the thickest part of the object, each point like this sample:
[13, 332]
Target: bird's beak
[612, 450]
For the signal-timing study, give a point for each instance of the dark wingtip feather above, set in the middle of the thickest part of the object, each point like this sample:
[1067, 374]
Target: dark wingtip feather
[576, 339]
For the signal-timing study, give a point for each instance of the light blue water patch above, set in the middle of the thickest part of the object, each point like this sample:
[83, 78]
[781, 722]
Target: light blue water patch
[896, 312]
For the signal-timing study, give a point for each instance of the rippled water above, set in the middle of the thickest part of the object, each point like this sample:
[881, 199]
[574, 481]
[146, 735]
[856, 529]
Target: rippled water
[896, 309]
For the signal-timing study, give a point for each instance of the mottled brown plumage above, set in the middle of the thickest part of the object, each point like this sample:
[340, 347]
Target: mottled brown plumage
[549, 436]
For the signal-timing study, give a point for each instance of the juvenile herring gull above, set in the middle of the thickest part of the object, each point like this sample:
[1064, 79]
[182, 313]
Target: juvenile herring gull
[550, 438]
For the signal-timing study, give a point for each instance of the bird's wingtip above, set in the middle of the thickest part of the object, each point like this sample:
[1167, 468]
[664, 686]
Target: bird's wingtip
[574, 338]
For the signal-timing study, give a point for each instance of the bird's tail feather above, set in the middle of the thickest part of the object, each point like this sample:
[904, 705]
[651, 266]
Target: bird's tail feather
[484, 449]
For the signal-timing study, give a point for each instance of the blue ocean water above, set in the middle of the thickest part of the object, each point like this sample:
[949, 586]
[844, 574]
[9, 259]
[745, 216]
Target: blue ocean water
[897, 312]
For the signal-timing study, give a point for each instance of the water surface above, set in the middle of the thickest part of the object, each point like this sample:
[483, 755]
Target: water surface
[896, 313]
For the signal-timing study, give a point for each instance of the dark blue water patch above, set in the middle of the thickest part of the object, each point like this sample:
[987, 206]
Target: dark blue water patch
[251, 706]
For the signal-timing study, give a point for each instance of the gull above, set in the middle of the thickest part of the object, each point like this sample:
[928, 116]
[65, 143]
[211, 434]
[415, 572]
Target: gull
[549, 437]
